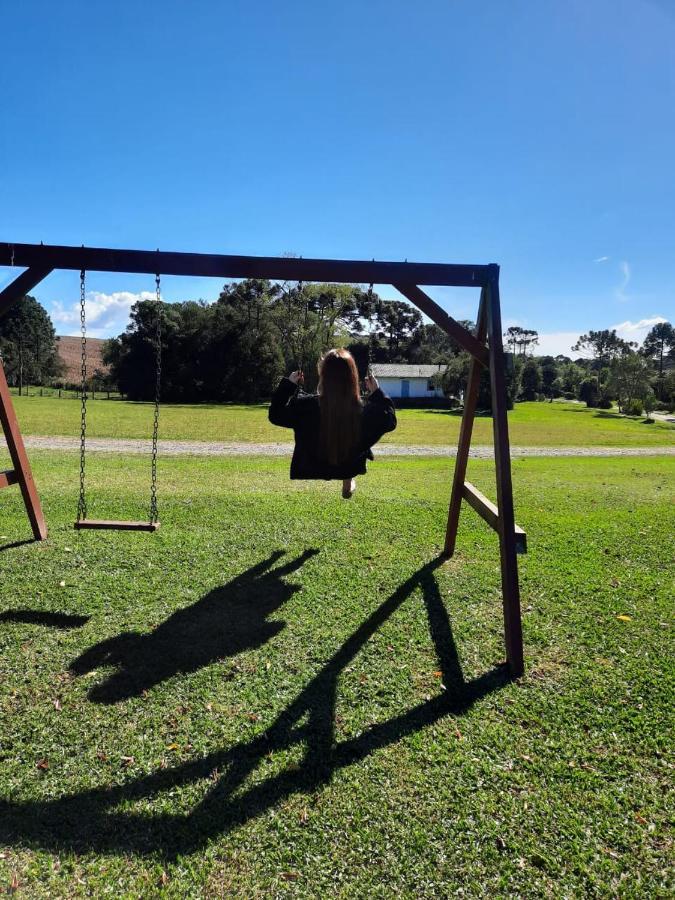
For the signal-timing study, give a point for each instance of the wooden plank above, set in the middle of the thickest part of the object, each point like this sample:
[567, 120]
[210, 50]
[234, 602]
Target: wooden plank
[487, 510]
[113, 525]
[151, 262]
[430, 308]
[8, 477]
[513, 630]
[465, 432]
[484, 507]
[25, 282]
[21, 466]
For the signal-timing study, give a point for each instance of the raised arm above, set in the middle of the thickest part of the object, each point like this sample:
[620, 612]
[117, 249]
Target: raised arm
[379, 415]
[282, 409]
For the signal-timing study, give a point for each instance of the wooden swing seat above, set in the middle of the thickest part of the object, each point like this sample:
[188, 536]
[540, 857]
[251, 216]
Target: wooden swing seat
[113, 525]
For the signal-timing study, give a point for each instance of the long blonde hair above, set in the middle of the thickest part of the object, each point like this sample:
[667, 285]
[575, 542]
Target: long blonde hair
[340, 404]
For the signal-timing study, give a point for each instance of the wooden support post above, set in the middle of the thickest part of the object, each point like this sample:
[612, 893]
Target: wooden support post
[21, 473]
[513, 632]
[466, 429]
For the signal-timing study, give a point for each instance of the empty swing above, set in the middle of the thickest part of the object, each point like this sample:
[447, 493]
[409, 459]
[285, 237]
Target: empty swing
[82, 522]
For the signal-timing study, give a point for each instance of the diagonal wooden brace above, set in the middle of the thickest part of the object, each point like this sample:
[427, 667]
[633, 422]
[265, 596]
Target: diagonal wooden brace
[16, 289]
[21, 472]
[449, 325]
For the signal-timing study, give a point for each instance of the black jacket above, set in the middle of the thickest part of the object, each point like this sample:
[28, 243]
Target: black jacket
[301, 412]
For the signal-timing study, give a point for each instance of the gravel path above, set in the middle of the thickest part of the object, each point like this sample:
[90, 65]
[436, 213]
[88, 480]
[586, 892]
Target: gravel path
[202, 448]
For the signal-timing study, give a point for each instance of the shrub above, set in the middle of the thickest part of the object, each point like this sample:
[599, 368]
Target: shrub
[569, 395]
[604, 403]
[589, 391]
[633, 408]
[649, 403]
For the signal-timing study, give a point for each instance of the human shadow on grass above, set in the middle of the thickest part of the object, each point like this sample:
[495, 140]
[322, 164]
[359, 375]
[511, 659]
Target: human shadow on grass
[42, 617]
[228, 620]
[91, 821]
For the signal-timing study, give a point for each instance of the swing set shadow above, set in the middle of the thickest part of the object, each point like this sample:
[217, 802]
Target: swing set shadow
[90, 821]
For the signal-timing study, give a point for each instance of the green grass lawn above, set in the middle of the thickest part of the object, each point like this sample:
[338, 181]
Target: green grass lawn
[531, 424]
[284, 694]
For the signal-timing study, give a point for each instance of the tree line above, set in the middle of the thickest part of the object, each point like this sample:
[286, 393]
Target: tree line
[28, 344]
[610, 370]
[236, 349]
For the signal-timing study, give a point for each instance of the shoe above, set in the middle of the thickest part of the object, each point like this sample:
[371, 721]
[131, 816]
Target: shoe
[347, 492]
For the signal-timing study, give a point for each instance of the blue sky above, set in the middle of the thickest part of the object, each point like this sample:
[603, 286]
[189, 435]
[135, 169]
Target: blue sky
[532, 133]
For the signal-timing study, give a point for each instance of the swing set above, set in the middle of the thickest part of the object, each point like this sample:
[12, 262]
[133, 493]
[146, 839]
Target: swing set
[484, 346]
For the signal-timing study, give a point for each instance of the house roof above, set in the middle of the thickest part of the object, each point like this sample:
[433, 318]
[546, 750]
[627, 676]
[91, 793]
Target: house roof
[404, 370]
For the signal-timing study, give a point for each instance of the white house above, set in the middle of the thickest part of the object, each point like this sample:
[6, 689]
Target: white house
[401, 380]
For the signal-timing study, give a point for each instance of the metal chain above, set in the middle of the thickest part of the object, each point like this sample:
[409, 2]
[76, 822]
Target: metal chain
[158, 384]
[301, 360]
[82, 502]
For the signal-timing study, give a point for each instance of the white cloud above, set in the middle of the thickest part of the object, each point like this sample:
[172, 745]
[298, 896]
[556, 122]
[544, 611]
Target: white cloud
[553, 343]
[637, 331]
[601, 259]
[625, 278]
[107, 314]
[556, 343]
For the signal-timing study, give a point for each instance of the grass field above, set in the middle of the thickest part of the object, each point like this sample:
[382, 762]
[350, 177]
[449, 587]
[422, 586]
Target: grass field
[531, 424]
[285, 694]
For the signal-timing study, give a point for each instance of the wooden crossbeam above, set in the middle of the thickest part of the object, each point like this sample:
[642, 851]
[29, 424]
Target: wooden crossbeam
[152, 262]
[114, 525]
[489, 512]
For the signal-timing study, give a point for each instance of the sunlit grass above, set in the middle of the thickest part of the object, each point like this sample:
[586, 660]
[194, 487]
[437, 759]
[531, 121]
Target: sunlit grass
[337, 727]
[531, 424]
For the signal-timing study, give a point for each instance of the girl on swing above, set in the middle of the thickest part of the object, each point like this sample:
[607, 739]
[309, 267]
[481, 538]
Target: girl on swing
[334, 429]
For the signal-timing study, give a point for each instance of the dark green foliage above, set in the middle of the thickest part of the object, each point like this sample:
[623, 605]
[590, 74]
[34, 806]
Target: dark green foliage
[430, 345]
[28, 344]
[632, 407]
[649, 403]
[628, 379]
[530, 380]
[659, 347]
[228, 350]
[669, 389]
[589, 391]
[549, 377]
[395, 324]
[237, 348]
[520, 340]
[571, 376]
[604, 345]
[454, 380]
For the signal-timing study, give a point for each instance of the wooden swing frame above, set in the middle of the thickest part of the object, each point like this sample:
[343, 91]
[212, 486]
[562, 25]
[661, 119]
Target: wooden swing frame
[485, 347]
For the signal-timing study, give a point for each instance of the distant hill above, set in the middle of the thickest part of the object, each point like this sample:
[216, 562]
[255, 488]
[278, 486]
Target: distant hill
[69, 350]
